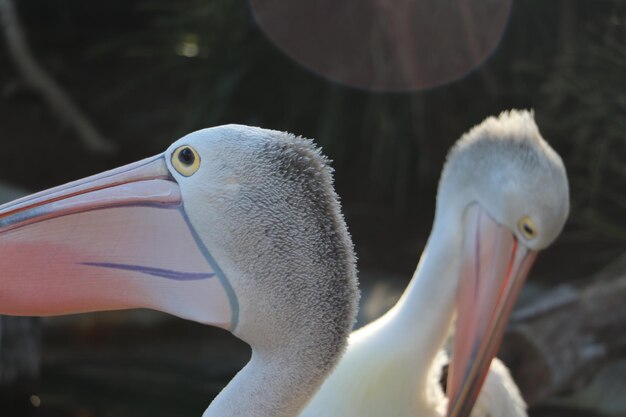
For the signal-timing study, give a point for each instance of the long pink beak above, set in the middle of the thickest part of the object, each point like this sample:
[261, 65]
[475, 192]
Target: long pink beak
[493, 270]
[117, 240]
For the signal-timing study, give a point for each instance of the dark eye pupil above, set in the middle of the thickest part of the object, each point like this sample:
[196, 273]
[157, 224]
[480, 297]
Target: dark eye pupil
[186, 156]
[528, 229]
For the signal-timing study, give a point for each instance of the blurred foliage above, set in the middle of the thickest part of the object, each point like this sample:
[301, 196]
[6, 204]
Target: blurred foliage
[586, 103]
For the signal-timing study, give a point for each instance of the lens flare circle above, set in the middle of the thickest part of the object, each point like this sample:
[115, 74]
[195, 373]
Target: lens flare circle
[382, 45]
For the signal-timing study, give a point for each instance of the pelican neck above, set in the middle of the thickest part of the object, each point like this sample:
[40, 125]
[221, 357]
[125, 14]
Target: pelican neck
[424, 312]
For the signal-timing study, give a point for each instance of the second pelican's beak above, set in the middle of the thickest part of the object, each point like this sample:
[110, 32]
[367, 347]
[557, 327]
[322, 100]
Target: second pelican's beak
[112, 241]
[493, 269]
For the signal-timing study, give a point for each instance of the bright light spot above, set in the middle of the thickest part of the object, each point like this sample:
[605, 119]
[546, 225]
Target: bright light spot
[188, 46]
[35, 400]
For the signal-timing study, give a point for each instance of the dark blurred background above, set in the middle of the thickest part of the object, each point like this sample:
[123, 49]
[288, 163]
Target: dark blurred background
[145, 72]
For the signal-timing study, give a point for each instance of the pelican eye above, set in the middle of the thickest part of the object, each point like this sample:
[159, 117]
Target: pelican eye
[186, 160]
[527, 228]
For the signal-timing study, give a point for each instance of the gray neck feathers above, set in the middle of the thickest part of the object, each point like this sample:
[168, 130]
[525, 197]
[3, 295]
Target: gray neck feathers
[292, 249]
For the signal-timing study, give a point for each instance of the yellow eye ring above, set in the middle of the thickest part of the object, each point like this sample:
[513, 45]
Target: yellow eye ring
[186, 160]
[527, 228]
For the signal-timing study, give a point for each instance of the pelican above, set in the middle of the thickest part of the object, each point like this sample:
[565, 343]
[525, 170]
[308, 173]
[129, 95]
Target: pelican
[503, 196]
[233, 226]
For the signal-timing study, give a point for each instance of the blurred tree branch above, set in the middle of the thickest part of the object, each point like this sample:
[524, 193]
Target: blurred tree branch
[564, 336]
[39, 80]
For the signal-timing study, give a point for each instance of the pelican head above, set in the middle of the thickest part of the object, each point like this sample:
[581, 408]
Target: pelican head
[506, 189]
[232, 226]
